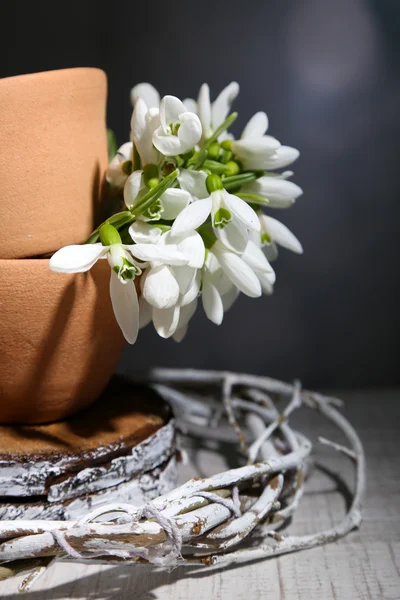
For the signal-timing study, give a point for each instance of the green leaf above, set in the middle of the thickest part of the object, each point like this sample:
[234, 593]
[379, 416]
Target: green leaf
[223, 127]
[112, 144]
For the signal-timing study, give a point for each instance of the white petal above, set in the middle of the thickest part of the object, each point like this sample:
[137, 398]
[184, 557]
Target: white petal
[169, 145]
[124, 152]
[187, 313]
[160, 288]
[274, 189]
[143, 124]
[204, 109]
[254, 153]
[256, 127]
[170, 109]
[155, 252]
[141, 232]
[242, 211]
[145, 312]
[234, 236]
[148, 93]
[270, 251]
[222, 105]
[76, 259]
[125, 304]
[255, 257]
[185, 278]
[238, 271]
[173, 201]
[192, 247]
[132, 187]
[283, 157]
[194, 182]
[180, 334]
[191, 217]
[193, 291]
[190, 105]
[266, 284]
[166, 321]
[189, 132]
[230, 298]
[281, 234]
[212, 303]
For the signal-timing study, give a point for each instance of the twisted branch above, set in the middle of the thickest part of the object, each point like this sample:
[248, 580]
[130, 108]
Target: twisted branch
[205, 520]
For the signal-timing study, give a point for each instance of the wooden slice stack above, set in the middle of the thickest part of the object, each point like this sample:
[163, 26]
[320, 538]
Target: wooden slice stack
[121, 449]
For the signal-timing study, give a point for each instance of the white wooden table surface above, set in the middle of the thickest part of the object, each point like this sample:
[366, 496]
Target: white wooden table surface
[365, 565]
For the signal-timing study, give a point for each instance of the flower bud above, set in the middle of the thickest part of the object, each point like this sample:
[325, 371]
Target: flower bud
[226, 144]
[109, 235]
[232, 168]
[213, 151]
[150, 175]
[214, 183]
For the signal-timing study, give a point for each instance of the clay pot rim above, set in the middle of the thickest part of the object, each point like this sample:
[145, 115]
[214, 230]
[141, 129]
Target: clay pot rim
[52, 72]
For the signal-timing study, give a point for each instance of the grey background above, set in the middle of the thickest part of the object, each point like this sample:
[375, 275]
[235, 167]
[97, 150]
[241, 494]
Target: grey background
[327, 74]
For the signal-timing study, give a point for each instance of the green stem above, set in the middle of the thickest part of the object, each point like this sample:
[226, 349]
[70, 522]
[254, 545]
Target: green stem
[118, 220]
[255, 199]
[223, 127]
[152, 195]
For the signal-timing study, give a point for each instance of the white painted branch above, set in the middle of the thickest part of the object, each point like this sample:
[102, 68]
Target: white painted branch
[202, 515]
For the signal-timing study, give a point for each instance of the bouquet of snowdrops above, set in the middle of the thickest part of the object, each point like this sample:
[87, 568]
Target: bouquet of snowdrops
[193, 224]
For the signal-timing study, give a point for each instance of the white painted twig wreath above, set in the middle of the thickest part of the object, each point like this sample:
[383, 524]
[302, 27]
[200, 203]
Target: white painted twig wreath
[205, 521]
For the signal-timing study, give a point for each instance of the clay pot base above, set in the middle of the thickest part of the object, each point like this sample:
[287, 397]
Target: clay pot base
[120, 449]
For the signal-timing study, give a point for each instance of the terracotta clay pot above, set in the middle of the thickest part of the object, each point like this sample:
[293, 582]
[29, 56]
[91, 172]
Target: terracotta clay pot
[59, 341]
[53, 155]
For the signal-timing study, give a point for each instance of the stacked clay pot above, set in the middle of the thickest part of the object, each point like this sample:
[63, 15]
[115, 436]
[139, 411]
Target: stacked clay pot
[59, 342]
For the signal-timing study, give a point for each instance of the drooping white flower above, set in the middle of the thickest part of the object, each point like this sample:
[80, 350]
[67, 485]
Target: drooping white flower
[212, 115]
[254, 257]
[276, 189]
[255, 148]
[124, 269]
[120, 166]
[144, 122]
[173, 321]
[218, 292]
[238, 270]
[164, 282]
[179, 131]
[147, 93]
[231, 217]
[274, 233]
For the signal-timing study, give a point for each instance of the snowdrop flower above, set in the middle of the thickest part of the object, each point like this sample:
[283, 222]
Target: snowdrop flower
[147, 93]
[166, 282]
[242, 272]
[124, 269]
[254, 257]
[173, 321]
[255, 149]
[218, 292]
[179, 131]
[232, 218]
[144, 122]
[274, 233]
[212, 115]
[167, 207]
[120, 166]
[276, 189]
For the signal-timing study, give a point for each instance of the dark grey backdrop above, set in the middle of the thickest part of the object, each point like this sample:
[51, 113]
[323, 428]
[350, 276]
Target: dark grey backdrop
[326, 72]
